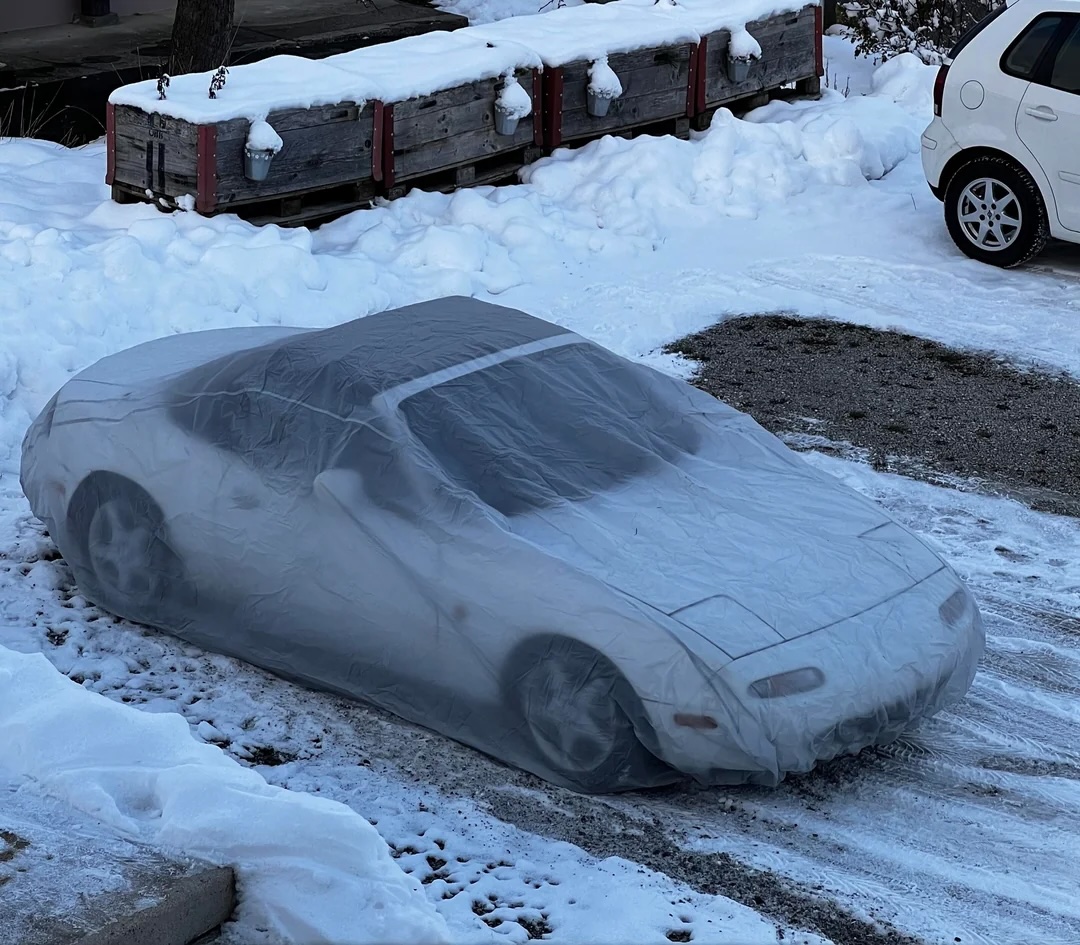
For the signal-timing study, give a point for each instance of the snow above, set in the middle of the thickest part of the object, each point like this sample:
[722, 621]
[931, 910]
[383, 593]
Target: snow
[513, 100]
[262, 137]
[603, 81]
[743, 46]
[252, 90]
[445, 59]
[488, 11]
[310, 869]
[437, 61]
[817, 208]
[588, 32]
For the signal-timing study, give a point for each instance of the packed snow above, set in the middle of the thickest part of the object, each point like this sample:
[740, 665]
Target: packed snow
[817, 208]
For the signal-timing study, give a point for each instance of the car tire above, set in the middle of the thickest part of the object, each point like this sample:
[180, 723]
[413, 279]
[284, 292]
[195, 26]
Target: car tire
[125, 564]
[981, 200]
[579, 714]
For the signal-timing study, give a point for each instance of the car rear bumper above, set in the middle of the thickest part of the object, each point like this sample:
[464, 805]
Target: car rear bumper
[884, 669]
[938, 148]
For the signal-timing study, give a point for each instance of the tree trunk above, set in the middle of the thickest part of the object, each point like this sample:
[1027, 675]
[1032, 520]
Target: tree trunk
[201, 35]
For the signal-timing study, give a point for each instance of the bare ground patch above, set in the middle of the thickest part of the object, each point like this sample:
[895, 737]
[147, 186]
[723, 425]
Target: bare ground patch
[913, 405]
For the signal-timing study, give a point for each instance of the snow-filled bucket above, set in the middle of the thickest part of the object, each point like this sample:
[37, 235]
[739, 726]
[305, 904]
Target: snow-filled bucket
[738, 68]
[598, 104]
[742, 50]
[512, 104]
[506, 122]
[259, 150]
[257, 163]
[604, 88]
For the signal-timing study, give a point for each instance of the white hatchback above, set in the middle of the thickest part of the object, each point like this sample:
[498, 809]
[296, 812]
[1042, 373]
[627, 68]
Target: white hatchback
[1003, 150]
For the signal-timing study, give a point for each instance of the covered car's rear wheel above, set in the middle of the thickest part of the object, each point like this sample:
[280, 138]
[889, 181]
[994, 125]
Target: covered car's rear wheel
[995, 213]
[579, 713]
[126, 564]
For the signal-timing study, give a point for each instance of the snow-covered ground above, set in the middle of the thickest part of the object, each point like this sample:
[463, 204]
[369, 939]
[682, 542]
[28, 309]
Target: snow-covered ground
[964, 830]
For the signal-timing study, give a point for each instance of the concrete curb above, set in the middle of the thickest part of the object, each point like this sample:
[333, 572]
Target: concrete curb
[67, 879]
[193, 906]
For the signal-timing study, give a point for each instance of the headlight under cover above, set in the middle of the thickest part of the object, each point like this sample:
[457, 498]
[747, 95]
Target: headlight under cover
[788, 684]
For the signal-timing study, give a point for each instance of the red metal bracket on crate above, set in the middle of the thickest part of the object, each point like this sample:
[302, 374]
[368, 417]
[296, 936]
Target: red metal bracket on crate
[376, 141]
[699, 70]
[553, 102]
[696, 67]
[538, 107]
[818, 30]
[206, 169]
[387, 147]
[110, 144]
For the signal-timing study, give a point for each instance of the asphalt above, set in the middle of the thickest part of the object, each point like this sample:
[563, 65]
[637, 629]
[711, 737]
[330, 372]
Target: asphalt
[66, 879]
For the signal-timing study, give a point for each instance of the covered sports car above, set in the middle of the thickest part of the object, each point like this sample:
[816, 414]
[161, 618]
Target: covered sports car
[491, 526]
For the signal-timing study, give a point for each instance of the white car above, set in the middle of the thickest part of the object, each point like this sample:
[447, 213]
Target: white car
[1003, 150]
[489, 525]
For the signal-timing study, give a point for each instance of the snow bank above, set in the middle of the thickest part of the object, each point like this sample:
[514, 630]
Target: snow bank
[420, 65]
[309, 869]
[736, 168]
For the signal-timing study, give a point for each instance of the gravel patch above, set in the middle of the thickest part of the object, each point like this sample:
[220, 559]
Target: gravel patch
[911, 405]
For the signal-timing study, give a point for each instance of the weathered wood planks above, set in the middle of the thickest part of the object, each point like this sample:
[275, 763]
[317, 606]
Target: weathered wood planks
[789, 53]
[657, 85]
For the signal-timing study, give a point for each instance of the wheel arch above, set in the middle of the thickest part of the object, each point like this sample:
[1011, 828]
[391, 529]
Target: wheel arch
[967, 155]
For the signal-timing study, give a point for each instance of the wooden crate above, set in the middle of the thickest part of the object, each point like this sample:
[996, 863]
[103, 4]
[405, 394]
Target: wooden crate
[790, 54]
[448, 139]
[658, 90]
[155, 157]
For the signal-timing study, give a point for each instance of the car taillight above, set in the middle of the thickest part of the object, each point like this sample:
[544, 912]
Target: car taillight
[939, 88]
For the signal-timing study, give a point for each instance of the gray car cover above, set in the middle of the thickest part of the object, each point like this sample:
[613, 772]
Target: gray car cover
[493, 527]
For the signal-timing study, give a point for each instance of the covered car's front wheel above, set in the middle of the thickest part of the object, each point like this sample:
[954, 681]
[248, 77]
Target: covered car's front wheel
[579, 714]
[126, 564]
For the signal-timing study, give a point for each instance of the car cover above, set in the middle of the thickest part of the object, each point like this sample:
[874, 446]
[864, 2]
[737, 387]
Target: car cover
[491, 526]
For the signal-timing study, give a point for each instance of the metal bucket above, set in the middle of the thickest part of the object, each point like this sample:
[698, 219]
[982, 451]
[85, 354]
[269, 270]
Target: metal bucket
[257, 164]
[505, 123]
[738, 70]
[598, 104]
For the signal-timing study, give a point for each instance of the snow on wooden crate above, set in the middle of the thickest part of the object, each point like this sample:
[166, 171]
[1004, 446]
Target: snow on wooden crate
[348, 119]
[764, 54]
[636, 63]
[429, 104]
[161, 156]
[607, 67]
[472, 103]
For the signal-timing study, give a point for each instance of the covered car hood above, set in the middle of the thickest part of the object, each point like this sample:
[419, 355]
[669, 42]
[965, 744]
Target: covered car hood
[744, 555]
